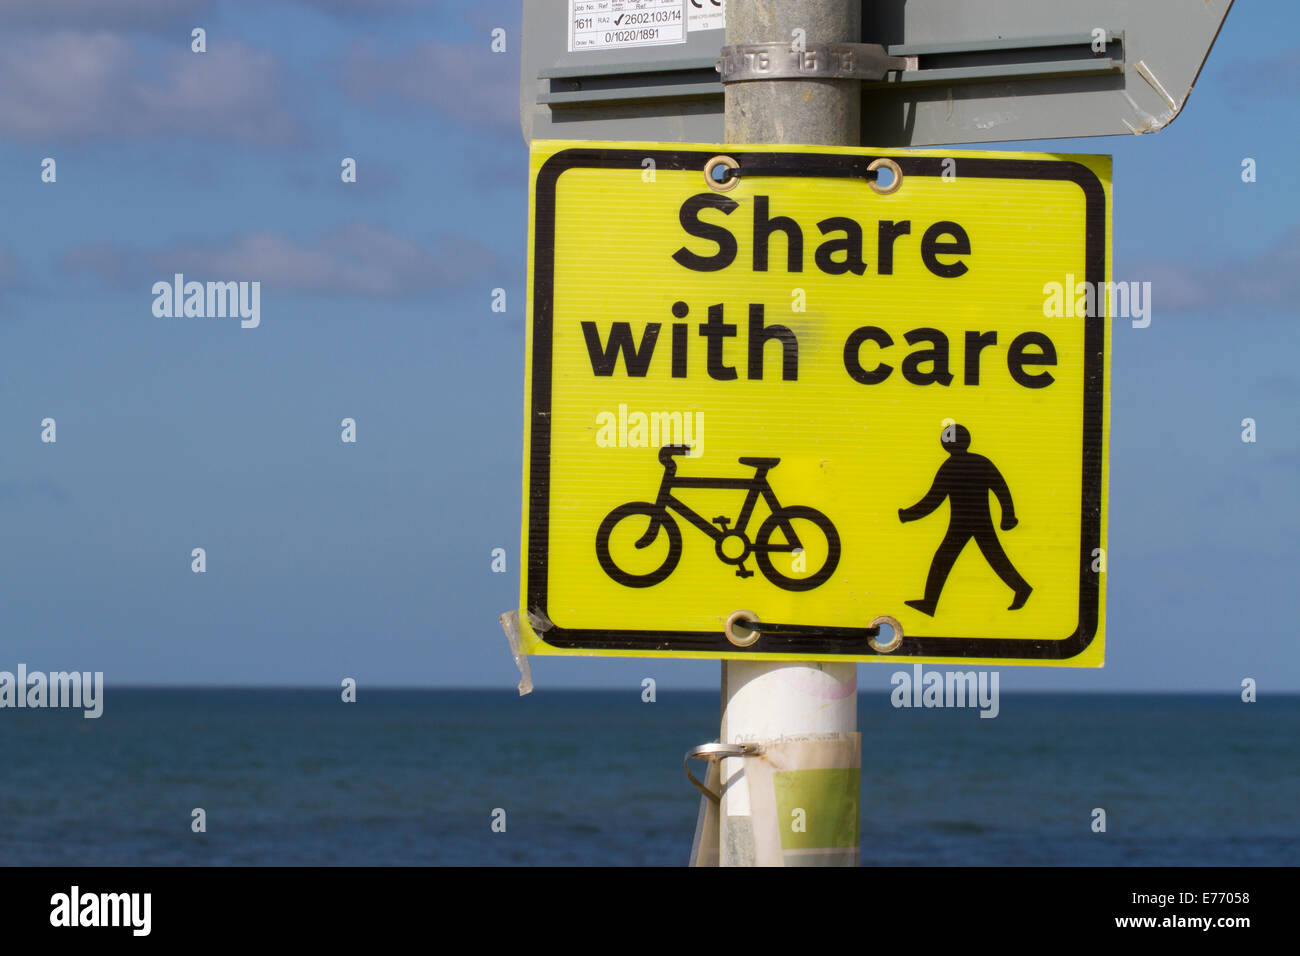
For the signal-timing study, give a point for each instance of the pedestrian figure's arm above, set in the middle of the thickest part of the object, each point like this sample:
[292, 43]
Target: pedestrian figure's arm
[933, 499]
[999, 487]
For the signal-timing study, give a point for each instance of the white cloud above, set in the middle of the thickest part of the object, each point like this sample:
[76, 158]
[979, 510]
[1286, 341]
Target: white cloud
[466, 83]
[78, 86]
[366, 6]
[88, 14]
[360, 259]
[12, 273]
[1275, 77]
[1262, 283]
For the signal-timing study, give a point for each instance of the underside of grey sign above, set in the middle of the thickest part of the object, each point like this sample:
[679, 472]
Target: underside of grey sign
[972, 71]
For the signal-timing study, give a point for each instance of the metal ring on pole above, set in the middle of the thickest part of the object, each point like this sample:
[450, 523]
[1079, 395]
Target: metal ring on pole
[893, 167]
[712, 752]
[783, 60]
[893, 642]
[725, 185]
[749, 619]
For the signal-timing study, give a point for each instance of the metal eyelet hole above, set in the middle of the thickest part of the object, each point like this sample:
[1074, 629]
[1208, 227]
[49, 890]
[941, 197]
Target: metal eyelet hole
[726, 185]
[894, 168]
[747, 621]
[893, 642]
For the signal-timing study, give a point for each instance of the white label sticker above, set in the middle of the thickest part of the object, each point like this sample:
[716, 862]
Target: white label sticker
[706, 14]
[611, 24]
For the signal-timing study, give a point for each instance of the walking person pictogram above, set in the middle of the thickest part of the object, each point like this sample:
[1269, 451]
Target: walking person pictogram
[966, 479]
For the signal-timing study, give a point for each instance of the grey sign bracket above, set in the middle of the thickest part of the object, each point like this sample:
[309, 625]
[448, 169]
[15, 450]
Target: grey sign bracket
[1011, 58]
[981, 61]
[951, 71]
[576, 86]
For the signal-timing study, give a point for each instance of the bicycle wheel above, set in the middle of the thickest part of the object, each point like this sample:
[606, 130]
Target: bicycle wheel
[794, 524]
[646, 535]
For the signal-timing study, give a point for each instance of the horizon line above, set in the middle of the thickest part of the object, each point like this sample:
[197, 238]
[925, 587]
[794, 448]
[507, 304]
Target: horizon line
[334, 688]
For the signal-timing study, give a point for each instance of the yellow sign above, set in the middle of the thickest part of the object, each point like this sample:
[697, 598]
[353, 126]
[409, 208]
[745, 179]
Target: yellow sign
[800, 408]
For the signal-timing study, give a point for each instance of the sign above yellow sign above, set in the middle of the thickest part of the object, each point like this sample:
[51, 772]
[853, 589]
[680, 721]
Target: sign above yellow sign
[759, 377]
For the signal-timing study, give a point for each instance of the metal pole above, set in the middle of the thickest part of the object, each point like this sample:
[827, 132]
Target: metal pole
[762, 701]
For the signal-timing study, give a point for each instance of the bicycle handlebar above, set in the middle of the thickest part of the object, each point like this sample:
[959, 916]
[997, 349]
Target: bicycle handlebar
[668, 451]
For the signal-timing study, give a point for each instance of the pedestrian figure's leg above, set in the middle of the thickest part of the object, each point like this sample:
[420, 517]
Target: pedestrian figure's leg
[943, 561]
[998, 560]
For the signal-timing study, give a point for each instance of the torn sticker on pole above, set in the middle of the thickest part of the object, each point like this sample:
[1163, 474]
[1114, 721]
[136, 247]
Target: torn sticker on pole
[804, 798]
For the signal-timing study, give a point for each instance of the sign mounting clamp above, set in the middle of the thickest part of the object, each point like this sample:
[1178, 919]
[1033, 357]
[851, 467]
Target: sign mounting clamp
[806, 61]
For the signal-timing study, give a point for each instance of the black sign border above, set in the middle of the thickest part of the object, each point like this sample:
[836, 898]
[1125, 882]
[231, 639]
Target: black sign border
[820, 165]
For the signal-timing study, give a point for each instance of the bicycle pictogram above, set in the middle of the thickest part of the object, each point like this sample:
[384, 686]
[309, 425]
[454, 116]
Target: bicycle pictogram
[732, 544]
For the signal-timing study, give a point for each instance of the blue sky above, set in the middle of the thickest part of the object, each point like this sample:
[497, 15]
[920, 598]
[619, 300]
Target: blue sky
[372, 560]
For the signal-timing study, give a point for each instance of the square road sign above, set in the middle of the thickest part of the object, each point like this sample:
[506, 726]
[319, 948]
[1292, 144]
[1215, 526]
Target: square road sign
[828, 404]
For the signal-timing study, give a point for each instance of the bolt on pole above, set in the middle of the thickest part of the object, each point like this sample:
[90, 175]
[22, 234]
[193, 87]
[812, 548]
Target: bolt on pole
[767, 701]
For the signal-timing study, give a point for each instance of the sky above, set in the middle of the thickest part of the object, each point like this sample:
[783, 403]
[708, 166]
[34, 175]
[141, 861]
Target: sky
[373, 559]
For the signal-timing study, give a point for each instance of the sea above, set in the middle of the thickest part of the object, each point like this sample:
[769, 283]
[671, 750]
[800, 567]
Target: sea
[595, 778]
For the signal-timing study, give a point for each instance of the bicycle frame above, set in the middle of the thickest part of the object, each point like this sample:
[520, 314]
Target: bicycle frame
[724, 538]
[757, 487]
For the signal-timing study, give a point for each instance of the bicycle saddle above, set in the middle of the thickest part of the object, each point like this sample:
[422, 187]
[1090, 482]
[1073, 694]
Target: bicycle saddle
[760, 462]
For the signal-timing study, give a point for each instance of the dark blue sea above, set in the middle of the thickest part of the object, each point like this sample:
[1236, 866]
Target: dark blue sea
[595, 778]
